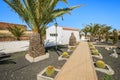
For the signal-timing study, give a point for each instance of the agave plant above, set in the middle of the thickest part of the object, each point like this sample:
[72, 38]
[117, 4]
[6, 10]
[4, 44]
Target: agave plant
[37, 14]
[16, 31]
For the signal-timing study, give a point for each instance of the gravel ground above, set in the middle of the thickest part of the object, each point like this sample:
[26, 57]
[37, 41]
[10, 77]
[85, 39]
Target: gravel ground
[18, 68]
[113, 62]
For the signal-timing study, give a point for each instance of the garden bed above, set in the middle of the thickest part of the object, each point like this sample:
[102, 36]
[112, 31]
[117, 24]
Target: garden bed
[113, 62]
[63, 58]
[17, 67]
[42, 75]
[99, 56]
[107, 70]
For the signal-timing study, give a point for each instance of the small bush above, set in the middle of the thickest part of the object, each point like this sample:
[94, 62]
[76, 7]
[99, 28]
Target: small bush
[107, 77]
[100, 64]
[50, 71]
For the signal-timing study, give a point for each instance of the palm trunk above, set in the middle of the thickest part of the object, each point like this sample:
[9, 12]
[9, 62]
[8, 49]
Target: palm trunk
[91, 38]
[85, 35]
[18, 38]
[36, 46]
[99, 38]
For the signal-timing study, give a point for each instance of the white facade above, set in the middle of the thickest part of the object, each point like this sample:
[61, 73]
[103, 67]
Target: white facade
[63, 34]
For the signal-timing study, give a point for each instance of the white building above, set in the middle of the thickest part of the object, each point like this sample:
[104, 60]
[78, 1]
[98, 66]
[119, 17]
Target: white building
[63, 34]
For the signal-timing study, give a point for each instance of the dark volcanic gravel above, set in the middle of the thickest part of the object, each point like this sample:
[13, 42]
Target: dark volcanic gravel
[113, 62]
[18, 68]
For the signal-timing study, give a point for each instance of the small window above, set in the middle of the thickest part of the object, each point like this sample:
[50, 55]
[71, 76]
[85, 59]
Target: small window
[53, 34]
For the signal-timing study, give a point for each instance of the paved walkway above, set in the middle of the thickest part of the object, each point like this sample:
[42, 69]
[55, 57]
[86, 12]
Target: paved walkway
[79, 66]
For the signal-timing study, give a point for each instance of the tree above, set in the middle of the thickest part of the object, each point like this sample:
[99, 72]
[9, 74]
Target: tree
[43, 32]
[97, 31]
[16, 31]
[93, 31]
[37, 14]
[86, 30]
[115, 36]
[105, 32]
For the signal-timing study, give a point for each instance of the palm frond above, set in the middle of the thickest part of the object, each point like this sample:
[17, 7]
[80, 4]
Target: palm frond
[53, 3]
[60, 12]
[38, 13]
[16, 31]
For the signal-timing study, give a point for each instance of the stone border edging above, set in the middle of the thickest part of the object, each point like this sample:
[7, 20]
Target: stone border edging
[108, 71]
[61, 58]
[39, 58]
[41, 77]
[98, 56]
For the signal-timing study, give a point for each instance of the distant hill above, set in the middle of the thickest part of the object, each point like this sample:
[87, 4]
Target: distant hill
[4, 26]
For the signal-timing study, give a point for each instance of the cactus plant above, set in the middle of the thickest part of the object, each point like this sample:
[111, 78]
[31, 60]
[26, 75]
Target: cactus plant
[100, 64]
[95, 52]
[93, 48]
[50, 70]
[65, 54]
[72, 48]
[90, 44]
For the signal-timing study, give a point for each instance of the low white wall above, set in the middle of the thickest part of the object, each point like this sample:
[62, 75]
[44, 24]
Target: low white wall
[13, 46]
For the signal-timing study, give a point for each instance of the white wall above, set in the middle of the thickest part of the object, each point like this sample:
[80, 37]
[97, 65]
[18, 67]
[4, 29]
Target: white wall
[63, 35]
[13, 46]
[66, 36]
[53, 30]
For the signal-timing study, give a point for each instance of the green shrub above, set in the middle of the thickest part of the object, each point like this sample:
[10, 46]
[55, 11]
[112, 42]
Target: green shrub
[50, 71]
[107, 77]
[100, 64]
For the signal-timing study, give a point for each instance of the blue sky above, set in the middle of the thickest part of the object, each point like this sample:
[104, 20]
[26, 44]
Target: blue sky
[93, 11]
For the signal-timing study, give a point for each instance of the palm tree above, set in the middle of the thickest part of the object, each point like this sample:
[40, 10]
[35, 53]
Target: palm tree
[43, 32]
[86, 30]
[115, 36]
[16, 31]
[99, 32]
[37, 14]
[108, 28]
[93, 30]
[105, 31]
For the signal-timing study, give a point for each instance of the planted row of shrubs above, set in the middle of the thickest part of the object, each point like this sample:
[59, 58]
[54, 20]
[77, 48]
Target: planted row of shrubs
[94, 51]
